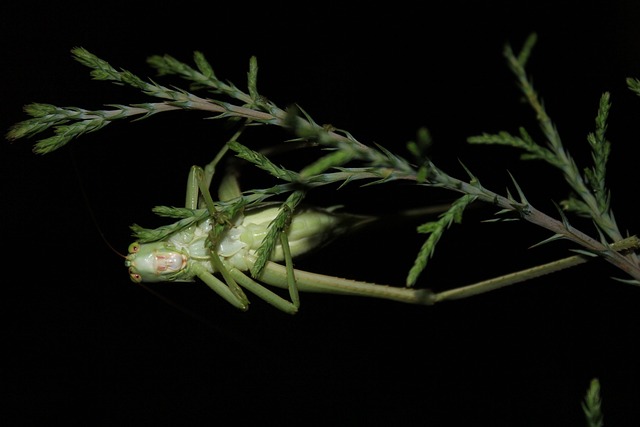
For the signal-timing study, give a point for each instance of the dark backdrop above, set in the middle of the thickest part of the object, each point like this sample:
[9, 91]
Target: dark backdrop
[86, 345]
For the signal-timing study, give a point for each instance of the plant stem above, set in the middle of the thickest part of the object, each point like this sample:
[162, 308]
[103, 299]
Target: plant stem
[531, 214]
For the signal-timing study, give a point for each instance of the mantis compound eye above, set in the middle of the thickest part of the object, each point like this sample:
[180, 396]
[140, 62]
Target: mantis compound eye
[134, 247]
[134, 275]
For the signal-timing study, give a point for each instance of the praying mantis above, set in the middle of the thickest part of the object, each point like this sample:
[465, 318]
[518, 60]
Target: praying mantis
[222, 239]
[213, 243]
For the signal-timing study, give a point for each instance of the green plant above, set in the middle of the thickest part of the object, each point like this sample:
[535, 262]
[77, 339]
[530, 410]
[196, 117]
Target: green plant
[592, 405]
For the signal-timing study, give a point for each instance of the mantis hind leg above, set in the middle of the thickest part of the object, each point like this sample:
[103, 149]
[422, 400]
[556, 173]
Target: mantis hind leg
[222, 289]
[290, 307]
[265, 294]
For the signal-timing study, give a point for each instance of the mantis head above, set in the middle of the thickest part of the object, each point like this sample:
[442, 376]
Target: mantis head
[154, 262]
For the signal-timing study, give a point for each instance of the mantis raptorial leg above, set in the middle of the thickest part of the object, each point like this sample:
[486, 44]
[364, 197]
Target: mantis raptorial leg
[198, 185]
[230, 291]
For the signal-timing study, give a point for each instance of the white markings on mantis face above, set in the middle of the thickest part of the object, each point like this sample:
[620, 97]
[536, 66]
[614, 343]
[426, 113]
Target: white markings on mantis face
[150, 262]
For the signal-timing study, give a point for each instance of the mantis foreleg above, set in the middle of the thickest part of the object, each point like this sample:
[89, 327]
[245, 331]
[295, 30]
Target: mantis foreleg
[198, 195]
[231, 292]
[230, 189]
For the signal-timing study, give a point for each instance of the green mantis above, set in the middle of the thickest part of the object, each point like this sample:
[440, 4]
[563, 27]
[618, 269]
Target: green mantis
[218, 242]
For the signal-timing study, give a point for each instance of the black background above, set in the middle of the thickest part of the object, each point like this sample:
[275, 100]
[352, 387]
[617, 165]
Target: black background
[86, 345]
